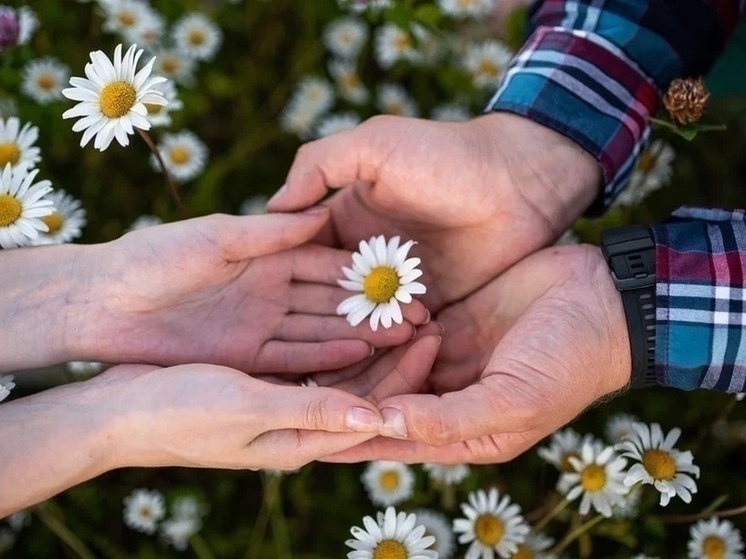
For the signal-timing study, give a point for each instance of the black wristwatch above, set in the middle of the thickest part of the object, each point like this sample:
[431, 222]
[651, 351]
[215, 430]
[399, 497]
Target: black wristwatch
[630, 253]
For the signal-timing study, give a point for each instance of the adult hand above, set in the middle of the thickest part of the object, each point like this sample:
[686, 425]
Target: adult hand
[188, 415]
[477, 196]
[215, 290]
[520, 358]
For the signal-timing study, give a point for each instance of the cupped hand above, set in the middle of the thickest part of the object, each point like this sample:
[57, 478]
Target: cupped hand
[476, 196]
[243, 292]
[520, 358]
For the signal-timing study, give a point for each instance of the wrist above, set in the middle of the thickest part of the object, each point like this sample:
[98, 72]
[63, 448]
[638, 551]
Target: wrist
[548, 171]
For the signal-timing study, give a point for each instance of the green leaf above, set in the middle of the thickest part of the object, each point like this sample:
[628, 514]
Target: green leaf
[428, 15]
[688, 132]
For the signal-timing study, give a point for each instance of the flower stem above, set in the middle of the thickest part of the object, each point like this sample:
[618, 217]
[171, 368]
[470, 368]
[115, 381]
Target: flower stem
[575, 534]
[271, 494]
[57, 526]
[200, 547]
[559, 507]
[166, 175]
[687, 518]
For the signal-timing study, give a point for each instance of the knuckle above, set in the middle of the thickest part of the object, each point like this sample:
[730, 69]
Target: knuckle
[317, 414]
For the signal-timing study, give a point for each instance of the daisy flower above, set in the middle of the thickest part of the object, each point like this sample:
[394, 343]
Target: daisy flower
[197, 36]
[486, 63]
[17, 147]
[715, 539]
[564, 444]
[394, 100]
[145, 221]
[447, 474]
[187, 506]
[28, 23]
[619, 426]
[177, 531]
[256, 205]
[599, 477]
[492, 525]
[124, 16]
[394, 536]
[337, 123]
[43, 80]
[392, 44]
[629, 509]
[84, 368]
[148, 32]
[66, 221]
[313, 97]
[466, 8]
[388, 483]
[450, 113]
[174, 64]
[6, 385]
[348, 82]
[22, 205]
[534, 547]
[183, 154]
[143, 509]
[112, 97]
[439, 527]
[160, 115]
[384, 276]
[652, 171]
[345, 37]
[670, 471]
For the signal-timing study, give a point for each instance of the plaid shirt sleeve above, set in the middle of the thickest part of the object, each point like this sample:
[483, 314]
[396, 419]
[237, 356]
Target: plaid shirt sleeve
[593, 70]
[700, 261]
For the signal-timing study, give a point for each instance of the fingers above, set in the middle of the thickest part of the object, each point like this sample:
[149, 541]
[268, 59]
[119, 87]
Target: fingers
[310, 328]
[308, 357]
[293, 448]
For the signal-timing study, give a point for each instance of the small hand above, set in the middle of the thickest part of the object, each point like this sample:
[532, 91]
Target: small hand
[520, 358]
[216, 290]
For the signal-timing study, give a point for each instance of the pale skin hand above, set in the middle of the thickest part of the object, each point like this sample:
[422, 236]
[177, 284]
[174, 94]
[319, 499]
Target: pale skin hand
[190, 415]
[520, 358]
[476, 196]
[214, 290]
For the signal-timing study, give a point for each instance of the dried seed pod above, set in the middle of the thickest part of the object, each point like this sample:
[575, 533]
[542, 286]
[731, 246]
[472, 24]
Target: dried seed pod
[685, 100]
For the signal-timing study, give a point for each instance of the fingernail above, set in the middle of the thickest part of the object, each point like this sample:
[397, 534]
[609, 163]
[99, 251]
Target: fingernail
[362, 420]
[279, 194]
[316, 210]
[372, 351]
[440, 340]
[427, 317]
[393, 423]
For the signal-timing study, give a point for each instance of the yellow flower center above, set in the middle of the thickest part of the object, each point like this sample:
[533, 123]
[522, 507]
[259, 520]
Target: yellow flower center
[179, 155]
[170, 65]
[350, 81]
[489, 529]
[116, 99]
[402, 42]
[593, 478]
[713, 548]
[145, 512]
[488, 68]
[390, 549]
[9, 153]
[196, 37]
[381, 284]
[153, 109]
[10, 209]
[646, 162]
[659, 464]
[523, 552]
[127, 19]
[565, 465]
[389, 480]
[46, 82]
[54, 221]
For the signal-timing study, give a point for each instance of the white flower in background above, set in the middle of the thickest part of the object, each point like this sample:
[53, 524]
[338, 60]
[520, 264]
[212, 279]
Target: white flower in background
[112, 98]
[359, 6]
[148, 32]
[334, 123]
[345, 37]
[6, 385]
[446, 474]
[384, 276]
[256, 205]
[183, 154]
[439, 527]
[312, 98]
[715, 539]
[43, 80]
[17, 147]
[534, 547]
[145, 221]
[629, 509]
[197, 36]
[143, 509]
[492, 525]
[740, 396]
[22, 205]
[619, 427]
[348, 82]
[392, 44]
[487, 62]
[65, 223]
[394, 100]
[450, 113]
[388, 483]
[652, 171]
[565, 444]
[84, 368]
[599, 477]
[19, 520]
[669, 470]
[569, 237]
[187, 506]
[186, 520]
[160, 115]
[125, 16]
[466, 8]
[174, 64]
[395, 536]
[28, 24]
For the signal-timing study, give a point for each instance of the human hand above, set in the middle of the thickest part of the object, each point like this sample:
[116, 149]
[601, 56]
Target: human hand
[520, 358]
[215, 290]
[477, 196]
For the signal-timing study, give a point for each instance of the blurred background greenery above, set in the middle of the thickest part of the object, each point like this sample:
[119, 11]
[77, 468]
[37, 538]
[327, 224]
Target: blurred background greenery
[235, 109]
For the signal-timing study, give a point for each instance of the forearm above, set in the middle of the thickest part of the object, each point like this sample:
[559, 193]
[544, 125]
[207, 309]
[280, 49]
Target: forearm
[45, 298]
[52, 441]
